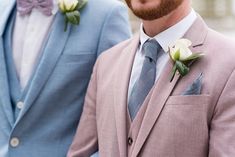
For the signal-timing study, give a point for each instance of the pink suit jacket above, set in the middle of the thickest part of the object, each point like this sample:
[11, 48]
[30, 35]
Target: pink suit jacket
[173, 125]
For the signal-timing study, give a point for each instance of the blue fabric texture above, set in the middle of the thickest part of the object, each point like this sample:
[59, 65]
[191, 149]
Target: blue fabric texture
[195, 87]
[53, 99]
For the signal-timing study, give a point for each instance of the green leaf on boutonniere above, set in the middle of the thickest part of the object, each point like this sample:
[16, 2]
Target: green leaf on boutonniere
[182, 68]
[81, 4]
[73, 17]
[173, 72]
[176, 55]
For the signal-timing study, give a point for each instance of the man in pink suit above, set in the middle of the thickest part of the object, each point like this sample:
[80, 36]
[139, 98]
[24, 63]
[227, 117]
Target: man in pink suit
[133, 109]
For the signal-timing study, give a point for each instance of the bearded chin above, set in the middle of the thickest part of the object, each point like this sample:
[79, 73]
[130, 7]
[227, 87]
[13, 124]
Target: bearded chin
[150, 14]
[155, 12]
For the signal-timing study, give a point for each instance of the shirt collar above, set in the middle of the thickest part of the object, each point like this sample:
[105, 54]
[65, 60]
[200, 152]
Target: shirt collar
[55, 7]
[170, 35]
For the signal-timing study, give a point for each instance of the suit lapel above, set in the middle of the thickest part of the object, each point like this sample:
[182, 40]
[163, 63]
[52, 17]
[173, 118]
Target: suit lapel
[4, 92]
[52, 51]
[163, 88]
[121, 84]
[6, 8]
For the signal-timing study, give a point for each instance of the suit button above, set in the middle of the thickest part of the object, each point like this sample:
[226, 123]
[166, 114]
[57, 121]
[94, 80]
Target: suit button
[20, 105]
[130, 141]
[14, 142]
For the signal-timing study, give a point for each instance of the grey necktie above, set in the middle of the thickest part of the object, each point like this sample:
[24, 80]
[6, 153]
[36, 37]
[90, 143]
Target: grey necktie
[146, 79]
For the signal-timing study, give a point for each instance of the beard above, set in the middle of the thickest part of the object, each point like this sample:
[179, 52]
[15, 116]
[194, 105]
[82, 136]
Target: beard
[162, 9]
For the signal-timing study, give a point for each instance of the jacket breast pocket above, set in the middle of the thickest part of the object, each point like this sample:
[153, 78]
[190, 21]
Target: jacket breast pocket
[185, 111]
[185, 119]
[188, 100]
[77, 58]
[75, 65]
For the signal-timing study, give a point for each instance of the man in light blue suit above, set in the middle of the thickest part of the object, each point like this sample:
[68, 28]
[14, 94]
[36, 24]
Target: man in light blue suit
[44, 71]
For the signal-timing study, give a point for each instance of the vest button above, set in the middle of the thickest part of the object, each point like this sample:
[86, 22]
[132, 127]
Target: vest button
[14, 142]
[130, 141]
[20, 105]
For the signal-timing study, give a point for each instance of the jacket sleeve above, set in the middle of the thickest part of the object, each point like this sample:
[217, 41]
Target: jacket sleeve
[116, 27]
[222, 129]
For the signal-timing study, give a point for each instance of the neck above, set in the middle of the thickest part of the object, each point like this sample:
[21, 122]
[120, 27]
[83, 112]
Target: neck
[154, 27]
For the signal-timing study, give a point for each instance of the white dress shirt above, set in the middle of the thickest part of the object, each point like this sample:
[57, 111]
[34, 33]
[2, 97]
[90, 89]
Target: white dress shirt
[165, 39]
[29, 34]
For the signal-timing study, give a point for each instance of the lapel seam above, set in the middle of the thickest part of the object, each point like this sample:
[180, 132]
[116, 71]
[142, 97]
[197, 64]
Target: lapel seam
[119, 107]
[4, 18]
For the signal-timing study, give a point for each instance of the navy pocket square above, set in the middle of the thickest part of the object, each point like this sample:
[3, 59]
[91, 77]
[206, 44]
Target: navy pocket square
[195, 87]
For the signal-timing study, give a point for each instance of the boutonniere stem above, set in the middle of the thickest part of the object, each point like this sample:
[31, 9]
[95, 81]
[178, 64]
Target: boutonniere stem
[182, 57]
[70, 9]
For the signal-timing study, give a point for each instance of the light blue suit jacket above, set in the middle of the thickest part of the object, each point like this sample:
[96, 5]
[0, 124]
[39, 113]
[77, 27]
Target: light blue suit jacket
[53, 104]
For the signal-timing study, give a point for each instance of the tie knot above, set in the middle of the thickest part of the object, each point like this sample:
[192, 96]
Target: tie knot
[151, 48]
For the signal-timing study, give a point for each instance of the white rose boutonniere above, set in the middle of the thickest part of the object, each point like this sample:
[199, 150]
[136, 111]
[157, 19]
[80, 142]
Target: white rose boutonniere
[182, 57]
[70, 9]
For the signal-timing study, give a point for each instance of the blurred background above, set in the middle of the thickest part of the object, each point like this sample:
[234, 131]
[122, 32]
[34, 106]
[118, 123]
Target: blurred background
[218, 14]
